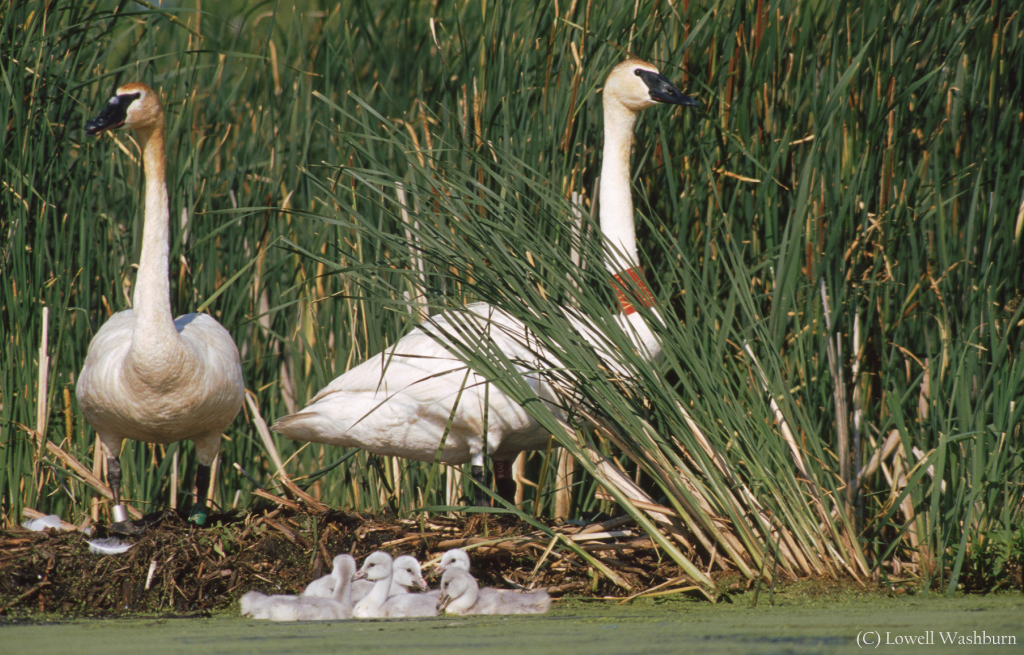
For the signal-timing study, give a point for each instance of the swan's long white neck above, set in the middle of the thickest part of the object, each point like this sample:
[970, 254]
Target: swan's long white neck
[617, 226]
[467, 599]
[343, 585]
[616, 201]
[154, 325]
[378, 595]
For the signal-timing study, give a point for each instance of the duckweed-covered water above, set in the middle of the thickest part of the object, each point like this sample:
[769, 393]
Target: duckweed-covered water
[878, 624]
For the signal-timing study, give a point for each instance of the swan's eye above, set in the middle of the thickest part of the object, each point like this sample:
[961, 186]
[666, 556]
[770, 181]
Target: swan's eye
[638, 71]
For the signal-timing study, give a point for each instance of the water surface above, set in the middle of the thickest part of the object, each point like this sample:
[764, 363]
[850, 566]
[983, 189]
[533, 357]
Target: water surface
[898, 625]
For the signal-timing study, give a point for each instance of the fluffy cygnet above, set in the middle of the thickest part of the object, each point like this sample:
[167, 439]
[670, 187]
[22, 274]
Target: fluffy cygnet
[306, 608]
[454, 558]
[410, 605]
[460, 594]
[406, 574]
[377, 569]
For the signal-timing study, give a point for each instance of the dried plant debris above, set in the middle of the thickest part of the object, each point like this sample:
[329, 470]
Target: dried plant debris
[177, 568]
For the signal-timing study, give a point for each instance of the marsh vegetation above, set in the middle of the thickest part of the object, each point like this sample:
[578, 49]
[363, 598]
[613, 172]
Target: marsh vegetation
[835, 240]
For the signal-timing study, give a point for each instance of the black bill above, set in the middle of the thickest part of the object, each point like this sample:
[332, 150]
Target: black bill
[112, 116]
[662, 90]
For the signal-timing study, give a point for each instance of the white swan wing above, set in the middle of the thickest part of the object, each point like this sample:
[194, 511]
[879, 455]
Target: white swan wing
[400, 401]
[222, 366]
[410, 605]
[322, 587]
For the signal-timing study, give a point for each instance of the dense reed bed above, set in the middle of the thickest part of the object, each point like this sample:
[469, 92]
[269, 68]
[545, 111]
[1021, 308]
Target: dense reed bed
[835, 241]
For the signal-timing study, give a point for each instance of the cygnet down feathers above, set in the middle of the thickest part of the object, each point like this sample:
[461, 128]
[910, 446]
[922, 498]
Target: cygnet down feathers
[454, 558]
[460, 594]
[306, 608]
[406, 574]
[377, 569]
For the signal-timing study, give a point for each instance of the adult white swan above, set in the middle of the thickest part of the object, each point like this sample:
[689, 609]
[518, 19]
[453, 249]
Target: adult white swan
[149, 377]
[404, 401]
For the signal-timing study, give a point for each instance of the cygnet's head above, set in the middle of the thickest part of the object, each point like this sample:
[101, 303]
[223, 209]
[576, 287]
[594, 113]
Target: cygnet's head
[408, 573]
[344, 566]
[457, 584]
[377, 566]
[134, 105]
[638, 85]
[453, 559]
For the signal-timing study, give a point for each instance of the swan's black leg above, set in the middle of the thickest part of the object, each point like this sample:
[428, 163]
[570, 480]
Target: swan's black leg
[199, 509]
[121, 524]
[481, 497]
[504, 481]
[114, 479]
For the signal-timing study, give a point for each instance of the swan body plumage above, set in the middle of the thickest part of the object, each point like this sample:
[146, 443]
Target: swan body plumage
[400, 401]
[410, 605]
[406, 573]
[292, 608]
[148, 377]
[377, 569]
[306, 608]
[460, 594]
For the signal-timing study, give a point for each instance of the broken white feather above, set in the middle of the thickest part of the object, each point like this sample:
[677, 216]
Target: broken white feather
[109, 546]
[43, 522]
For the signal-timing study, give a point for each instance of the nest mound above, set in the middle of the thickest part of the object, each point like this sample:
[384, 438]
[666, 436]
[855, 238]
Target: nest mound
[177, 568]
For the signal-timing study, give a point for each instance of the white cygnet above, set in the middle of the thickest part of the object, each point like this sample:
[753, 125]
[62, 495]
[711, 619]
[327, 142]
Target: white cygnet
[454, 558]
[306, 608]
[406, 575]
[410, 605]
[378, 569]
[460, 594]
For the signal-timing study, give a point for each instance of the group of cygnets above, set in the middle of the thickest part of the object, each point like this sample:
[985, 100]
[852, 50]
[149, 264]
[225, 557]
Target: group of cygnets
[382, 588]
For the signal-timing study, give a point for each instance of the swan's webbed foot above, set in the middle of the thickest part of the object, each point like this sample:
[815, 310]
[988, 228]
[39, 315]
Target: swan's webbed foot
[198, 514]
[200, 510]
[127, 528]
[122, 525]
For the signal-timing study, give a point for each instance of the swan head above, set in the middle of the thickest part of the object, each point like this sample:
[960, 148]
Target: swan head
[134, 105]
[376, 567]
[637, 85]
[455, 558]
[344, 566]
[456, 584]
[407, 572]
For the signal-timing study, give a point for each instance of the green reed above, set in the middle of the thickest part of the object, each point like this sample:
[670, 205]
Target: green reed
[864, 154]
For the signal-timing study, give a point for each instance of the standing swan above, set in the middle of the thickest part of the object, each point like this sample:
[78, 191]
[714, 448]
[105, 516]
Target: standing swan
[402, 402]
[148, 377]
